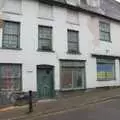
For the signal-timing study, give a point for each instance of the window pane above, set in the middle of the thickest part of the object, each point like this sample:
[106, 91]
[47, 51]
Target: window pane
[105, 71]
[44, 44]
[73, 44]
[104, 31]
[66, 78]
[45, 38]
[78, 78]
[72, 74]
[10, 41]
[73, 35]
[11, 35]
[102, 35]
[73, 47]
[11, 28]
[107, 37]
[10, 77]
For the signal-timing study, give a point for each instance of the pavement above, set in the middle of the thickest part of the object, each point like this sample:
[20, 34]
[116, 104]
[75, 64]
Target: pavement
[53, 107]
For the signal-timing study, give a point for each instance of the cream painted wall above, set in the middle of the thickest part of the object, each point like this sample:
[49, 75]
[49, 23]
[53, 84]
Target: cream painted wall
[29, 57]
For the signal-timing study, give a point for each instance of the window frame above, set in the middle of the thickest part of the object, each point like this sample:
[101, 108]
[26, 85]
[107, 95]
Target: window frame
[105, 32]
[50, 40]
[106, 62]
[73, 68]
[18, 36]
[73, 42]
[20, 73]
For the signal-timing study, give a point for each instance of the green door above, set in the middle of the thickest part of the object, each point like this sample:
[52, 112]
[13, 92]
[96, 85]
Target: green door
[45, 83]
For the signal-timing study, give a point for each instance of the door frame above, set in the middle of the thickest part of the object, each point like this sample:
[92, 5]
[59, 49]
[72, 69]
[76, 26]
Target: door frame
[45, 66]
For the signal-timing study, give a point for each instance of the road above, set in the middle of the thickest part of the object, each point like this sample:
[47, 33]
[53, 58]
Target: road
[107, 110]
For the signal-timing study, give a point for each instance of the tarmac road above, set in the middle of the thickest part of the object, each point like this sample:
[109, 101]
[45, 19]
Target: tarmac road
[108, 110]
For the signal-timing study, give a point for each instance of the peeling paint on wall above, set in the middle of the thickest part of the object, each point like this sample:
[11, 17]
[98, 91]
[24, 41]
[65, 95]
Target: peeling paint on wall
[93, 26]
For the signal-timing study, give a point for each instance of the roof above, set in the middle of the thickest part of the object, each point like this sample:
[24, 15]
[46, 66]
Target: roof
[108, 8]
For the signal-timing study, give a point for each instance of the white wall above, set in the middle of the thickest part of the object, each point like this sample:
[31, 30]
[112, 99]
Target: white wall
[30, 18]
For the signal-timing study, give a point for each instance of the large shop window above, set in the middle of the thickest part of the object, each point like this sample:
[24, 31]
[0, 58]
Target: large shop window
[10, 77]
[72, 75]
[105, 69]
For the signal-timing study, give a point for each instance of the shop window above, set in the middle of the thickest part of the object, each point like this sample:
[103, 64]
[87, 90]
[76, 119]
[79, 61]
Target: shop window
[105, 69]
[72, 75]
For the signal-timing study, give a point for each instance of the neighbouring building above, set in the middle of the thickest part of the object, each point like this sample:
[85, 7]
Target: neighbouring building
[52, 46]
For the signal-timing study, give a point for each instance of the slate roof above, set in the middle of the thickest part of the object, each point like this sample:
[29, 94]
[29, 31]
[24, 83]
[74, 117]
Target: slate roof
[108, 8]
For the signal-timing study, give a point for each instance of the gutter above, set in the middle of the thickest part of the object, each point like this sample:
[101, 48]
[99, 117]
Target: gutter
[105, 56]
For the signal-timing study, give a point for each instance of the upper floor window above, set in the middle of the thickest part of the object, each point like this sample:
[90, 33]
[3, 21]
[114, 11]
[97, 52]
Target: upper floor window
[45, 38]
[104, 31]
[73, 41]
[11, 35]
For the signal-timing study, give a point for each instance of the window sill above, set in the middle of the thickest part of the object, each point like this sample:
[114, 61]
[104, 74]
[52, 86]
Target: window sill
[11, 49]
[49, 51]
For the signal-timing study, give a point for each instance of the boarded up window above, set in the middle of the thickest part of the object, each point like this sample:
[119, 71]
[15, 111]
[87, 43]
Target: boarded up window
[45, 11]
[72, 17]
[10, 76]
[13, 6]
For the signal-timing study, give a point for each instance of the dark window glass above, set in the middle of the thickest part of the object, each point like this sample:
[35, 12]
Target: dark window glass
[11, 35]
[73, 41]
[104, 31]
[45, 38]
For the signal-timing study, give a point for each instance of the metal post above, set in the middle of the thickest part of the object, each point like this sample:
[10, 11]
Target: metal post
[30, 102]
